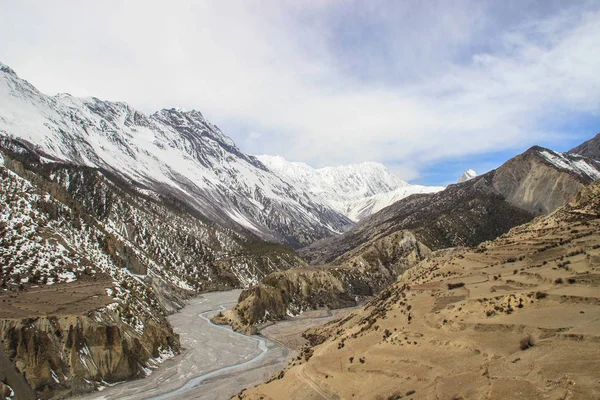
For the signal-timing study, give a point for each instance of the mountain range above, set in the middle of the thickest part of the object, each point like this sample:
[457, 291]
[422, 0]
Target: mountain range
[111, 218]
[180, 154]
[116, 217]
[371, 255]
[356, 191]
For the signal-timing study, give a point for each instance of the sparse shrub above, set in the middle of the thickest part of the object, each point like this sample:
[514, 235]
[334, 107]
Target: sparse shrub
[455, 285]
[526, 343]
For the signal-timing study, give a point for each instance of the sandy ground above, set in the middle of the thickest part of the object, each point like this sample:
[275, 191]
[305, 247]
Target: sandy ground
[204, 369]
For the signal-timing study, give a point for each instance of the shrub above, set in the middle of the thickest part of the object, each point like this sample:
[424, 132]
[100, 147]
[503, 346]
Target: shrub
[455, 285]
[526, 343]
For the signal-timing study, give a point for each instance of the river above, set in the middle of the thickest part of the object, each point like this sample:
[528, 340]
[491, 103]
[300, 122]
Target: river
[216, 363]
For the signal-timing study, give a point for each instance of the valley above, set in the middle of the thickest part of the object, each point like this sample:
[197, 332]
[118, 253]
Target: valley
[216, 362]
[146, 256]
[516, 317]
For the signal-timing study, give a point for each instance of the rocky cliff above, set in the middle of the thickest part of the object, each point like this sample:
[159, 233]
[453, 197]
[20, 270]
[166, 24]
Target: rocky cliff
[64, 355]
[362, 274]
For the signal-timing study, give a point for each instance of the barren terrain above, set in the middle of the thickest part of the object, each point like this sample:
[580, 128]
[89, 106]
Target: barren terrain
[517, 317]
[75, 298]
[216, 362]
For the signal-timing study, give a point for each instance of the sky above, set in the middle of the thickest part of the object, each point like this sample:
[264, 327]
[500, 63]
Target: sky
[428, 88]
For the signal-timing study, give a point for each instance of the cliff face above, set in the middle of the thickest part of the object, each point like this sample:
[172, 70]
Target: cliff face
[540, 181]
[362, 273]
[66, 355]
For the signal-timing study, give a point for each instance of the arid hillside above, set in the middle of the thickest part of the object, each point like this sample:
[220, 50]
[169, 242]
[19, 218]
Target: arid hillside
[517, 317]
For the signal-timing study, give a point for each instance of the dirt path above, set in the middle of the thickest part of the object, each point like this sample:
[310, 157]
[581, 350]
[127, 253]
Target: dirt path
[313, 385]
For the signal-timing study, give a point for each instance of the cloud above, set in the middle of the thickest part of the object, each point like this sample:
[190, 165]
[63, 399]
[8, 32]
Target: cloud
[327, 82]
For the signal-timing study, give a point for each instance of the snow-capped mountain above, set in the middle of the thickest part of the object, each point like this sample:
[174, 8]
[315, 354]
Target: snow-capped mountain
[172, 152]
[585, 167]
[356, 191]
[467, 175]
[370, 205]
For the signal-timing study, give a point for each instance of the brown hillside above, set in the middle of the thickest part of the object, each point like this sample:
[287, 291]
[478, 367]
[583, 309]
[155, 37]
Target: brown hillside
[517, 317]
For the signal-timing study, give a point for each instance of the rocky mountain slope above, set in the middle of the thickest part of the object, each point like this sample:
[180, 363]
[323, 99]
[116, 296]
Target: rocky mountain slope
[92, 264]
[589, 149]
[516, 317]
[370, 256]
[356, 191]
[289, 293]
[535, 182]
[172, 152]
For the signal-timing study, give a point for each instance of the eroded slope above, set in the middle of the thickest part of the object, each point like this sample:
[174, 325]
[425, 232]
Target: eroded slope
[517, 317]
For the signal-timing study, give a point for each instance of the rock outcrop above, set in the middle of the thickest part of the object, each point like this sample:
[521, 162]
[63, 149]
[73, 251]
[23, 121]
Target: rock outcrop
[72, 354]
[361, 274]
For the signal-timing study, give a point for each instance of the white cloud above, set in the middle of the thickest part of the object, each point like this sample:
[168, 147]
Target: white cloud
[429, 84]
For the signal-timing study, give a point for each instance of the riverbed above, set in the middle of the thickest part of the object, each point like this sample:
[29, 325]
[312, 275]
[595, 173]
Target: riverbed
[216, 363]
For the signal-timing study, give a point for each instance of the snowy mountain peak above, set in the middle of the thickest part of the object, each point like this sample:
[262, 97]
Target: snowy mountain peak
[7, 69]
[574, 163]
[355, 190]
[348, 182]
[174, 153]
[194, 123]
[467, 175]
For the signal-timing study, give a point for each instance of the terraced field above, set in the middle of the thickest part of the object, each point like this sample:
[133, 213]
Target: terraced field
[517, 317]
